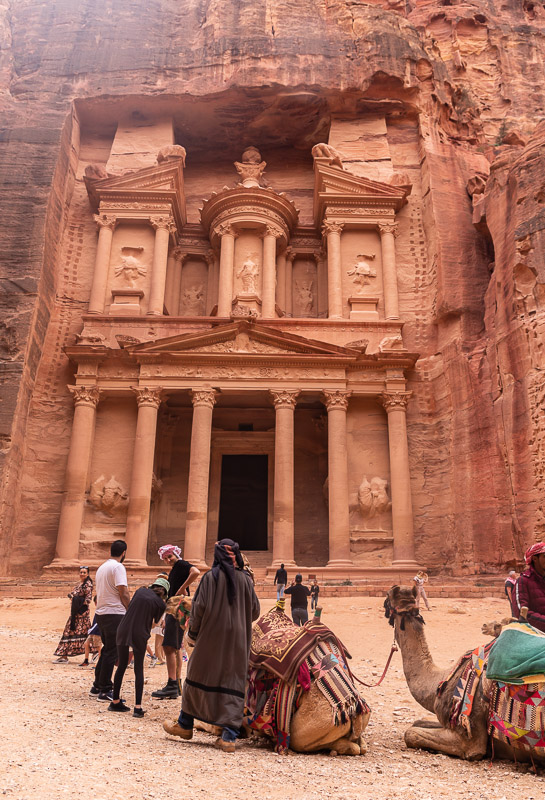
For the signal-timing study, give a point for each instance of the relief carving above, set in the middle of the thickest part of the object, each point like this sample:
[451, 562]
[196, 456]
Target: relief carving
[172, 152]
[362, 272]
[109, 497]
[88, 336]
[251, 168]
[193, 301]
[240, 310]
[131, 269]
[249, 273]
[373, 497]
[391, 343]
[305, 297]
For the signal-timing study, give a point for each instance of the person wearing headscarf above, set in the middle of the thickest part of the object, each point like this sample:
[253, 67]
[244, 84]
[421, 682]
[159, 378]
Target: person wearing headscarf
[181, 576]
[73, 638]
[530, 587]
[220, 625]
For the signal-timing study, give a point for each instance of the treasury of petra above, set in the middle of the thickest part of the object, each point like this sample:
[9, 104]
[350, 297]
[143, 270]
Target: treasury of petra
[273, 272]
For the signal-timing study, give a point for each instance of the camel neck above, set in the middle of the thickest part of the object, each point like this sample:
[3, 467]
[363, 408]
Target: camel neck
[421, 673]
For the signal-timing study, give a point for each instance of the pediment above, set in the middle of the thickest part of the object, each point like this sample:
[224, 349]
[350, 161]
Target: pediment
[240, 339]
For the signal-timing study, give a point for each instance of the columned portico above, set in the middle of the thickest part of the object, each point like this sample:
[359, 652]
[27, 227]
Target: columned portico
[138, 513]
[283, 520]
[339, 522]
[199, 468]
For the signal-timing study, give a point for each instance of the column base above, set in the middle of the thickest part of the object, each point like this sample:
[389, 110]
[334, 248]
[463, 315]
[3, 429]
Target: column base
[278, 562]
[405, 564]
[131, 563]
[337, 563]
[62, 563]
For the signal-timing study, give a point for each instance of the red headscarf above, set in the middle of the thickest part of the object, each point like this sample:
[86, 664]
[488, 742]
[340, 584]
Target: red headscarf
[534, 550]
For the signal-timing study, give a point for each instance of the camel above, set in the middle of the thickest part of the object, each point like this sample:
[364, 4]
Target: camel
[312, 727]
[423, 677]
[495, 628]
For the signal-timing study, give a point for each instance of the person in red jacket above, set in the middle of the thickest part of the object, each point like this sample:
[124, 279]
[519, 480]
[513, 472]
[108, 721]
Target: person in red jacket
[530, 586]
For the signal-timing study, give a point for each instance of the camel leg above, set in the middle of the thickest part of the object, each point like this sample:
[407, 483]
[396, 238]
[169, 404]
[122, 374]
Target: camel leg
[345, 747]
[449, 742]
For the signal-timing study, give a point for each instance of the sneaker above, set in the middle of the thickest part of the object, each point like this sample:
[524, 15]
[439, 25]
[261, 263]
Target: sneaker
[84, 663]
[138, 712]
[118, 706]
[168, 692]
[221, 744]
[60, 660]
[93, 691]
[174, 729]
[105, 697]
[153, 661]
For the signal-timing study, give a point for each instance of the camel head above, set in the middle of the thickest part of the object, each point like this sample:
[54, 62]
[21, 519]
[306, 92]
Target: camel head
[495, 628]
[400, 602]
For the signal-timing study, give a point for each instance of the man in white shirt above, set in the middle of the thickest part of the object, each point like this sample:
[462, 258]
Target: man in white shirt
[112, 599]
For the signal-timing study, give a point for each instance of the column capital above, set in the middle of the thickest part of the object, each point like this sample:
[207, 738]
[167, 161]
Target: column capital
[146, 396]
[272, 230]
[210, 257]
[225, 229]
[163, 222]
[395, 400]
[203, 397]
[336, 398]
[105, 221]
[284, 398]
[290, 254]
[330, 226]
[85, 395]
[388, 227]
[178, 254]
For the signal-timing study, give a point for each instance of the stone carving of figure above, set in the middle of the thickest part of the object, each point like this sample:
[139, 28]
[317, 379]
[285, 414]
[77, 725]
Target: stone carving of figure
[394, 342]
[171, 152]
[362, 272]
[333, 156]
[251, 168]
[305, 296]
[373, 497]
[193, 300]
[248, 273]
[131, 269]
[108, 496]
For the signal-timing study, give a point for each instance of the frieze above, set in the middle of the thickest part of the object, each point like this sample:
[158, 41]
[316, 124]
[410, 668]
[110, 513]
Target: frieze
[239, 372]
[137, 206]
[361, 211]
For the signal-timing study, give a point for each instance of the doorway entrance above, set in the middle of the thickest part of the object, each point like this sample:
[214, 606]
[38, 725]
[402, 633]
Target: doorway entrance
[244, 500]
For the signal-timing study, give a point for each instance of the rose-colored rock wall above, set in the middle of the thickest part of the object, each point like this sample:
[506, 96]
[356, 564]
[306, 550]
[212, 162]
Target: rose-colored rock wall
[460, 88]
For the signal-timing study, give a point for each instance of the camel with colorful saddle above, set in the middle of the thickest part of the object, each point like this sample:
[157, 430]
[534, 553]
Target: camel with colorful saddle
[492, 700]
[301, 693]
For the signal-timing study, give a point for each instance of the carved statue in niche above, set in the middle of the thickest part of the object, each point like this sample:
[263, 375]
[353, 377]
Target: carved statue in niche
[251, 168]
[249, 273]
[193, 300]
[131, 269]
[109, 497]
[373, 497]
[333, 156]
[362, 272]
[305, 297]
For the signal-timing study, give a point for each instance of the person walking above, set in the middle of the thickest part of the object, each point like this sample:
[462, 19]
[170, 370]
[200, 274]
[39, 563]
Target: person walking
[299, 594]
[112, 601]
[146, 607]
[420, 579]
[220, 625]
[182, 574]
[281, 580]
[509, 588]
[73, 637]
[314, 594]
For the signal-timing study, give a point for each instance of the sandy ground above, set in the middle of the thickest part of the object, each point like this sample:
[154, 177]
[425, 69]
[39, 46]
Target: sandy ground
[56, 742]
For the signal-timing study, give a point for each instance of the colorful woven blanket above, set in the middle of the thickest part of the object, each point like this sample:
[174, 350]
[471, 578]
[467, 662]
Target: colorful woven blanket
[473, 664]
[280, 647]
[518, 655]
[517, 716]
[333, 679]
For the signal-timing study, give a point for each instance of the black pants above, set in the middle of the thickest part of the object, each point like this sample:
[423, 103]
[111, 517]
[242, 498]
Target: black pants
[122, 663]
[299, 615]
[108, 624]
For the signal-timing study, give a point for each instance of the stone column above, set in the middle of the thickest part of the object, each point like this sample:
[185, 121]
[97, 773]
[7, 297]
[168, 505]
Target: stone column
[210, 257]
[270, 236]
[395, 404]
[77, 469]
[164, 226]
[388, 231]
[106, 225]
[227, 258]
[179, 257]
[281, 281]
[337, 456]
[138, 513]
[332, 230]
[169, 283]
[199, 473]
[290, 256]
[283, 519]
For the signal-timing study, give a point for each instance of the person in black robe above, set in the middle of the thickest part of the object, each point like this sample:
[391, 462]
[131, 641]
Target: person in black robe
[146, 608]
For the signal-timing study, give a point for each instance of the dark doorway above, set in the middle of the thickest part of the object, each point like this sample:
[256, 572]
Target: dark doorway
[243, 501]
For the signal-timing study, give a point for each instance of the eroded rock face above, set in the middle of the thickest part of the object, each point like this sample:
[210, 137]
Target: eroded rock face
[461, 88]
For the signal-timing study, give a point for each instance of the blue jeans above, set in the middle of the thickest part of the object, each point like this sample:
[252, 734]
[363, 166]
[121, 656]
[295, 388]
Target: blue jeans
[314, 601]
[280, 590]
[228, 734]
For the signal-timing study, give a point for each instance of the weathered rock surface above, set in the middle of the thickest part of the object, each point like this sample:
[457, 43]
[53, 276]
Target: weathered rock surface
[462, 87]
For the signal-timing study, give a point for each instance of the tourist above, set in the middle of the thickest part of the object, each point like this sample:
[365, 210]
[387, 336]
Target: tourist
[419, 580]
[112, 601]
[314, 594]
[220, 625]
[73, 638]
[509, 588]
[146, 607]
[530, 587]
[93, 643]
[181, 576]
[299, 600]
[280, 579]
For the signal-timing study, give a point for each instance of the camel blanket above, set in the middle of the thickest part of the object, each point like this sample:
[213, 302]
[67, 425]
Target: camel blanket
[517, 716]
[518, 655]
[280, 647]
[472, 664]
